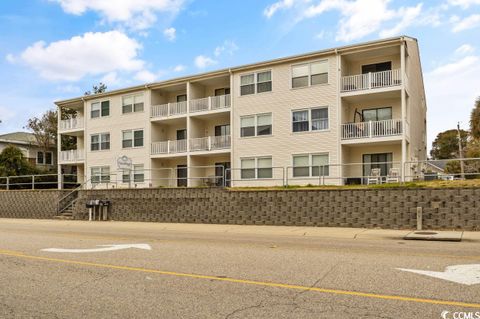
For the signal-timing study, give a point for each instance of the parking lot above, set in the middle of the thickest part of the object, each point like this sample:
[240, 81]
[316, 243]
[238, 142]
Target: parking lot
[68, 269]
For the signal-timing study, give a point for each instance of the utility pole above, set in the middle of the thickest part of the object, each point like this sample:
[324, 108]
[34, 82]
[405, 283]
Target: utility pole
[460, 151]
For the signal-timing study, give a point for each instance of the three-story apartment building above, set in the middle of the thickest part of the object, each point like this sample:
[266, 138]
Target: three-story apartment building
[333, 114]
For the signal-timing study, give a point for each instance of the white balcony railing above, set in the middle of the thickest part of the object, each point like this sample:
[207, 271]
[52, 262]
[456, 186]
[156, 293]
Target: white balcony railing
[210, 143]
[72, 156]
[71, 124]
[210, 103]
[371, 80]
[169, 147]
[169, 109]
[372, 129]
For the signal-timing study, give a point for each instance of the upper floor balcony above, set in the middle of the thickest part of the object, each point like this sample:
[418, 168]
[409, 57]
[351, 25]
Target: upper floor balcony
[72, 156]
[210, 103]
[168, 109]
[371, 80]
[372, 130]
[169, 147]
[210, 143]
[71, 124]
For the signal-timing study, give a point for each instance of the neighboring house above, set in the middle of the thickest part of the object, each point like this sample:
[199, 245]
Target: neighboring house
[29, 146]
[338, 112]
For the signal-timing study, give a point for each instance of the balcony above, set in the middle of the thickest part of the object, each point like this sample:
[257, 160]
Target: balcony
[373, 80]
[169, 147]
[210, 103]
[210, 143]
[72, 156]
[372, 129]
[169, 109]
[74, 123]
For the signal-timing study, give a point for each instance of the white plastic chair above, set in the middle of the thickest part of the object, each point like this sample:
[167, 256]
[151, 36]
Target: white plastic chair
[374, 177]
[393, 175]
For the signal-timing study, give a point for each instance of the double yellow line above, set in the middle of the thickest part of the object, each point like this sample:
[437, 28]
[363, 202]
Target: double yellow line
[245, 281]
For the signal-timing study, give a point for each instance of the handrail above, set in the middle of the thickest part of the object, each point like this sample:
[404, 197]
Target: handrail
[70, 193]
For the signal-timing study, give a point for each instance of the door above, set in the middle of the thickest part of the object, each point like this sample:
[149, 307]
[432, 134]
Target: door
[182, 98]
[379, 115]
[379, 160]
[222, 91]
[221, 169]
[182, 176]
[181, 134]
[377, 67]
[222, 130]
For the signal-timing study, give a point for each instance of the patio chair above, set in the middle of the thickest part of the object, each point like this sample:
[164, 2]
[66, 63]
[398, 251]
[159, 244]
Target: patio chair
[374, 177]
[393, 175]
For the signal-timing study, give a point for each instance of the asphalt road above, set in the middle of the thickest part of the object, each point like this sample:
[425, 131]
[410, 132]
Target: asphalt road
[212, 273]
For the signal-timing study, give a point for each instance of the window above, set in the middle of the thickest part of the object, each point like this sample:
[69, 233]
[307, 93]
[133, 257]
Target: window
[315, 119]
[99, 109]
[256, 168]
[379, 114]
[264, 82]
[310, 74]
[256, 83]
[182, 98]
[138, 174]
[133, 103]
[256, 125]
[49, 158]
[100, 174]
[383, 161]
[310, 165]
[222, 91]
[247, 84]
[40, 158]
[100, 142]
[132, 138]
[222, 130]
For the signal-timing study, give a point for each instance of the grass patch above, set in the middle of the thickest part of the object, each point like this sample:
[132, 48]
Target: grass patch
[420, 184]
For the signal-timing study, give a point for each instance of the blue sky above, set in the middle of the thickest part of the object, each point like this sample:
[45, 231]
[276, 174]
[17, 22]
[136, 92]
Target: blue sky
[56, 49]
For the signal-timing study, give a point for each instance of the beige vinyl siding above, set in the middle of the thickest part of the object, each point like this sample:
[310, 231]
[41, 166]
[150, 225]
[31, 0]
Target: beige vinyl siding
[281, 102]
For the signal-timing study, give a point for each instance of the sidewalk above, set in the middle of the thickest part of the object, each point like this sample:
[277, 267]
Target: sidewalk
[290, 231]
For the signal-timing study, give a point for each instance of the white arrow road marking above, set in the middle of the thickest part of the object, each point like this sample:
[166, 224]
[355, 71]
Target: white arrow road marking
[461, 274]
[96, 250]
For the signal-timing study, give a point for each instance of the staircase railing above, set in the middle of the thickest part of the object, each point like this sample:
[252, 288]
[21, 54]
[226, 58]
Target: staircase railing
[69, 202]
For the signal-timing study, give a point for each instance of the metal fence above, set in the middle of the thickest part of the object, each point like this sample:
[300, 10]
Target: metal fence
[220, 176]
[43, 181]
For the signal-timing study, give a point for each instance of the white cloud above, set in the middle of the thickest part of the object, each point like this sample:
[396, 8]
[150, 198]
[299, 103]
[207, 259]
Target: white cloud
[71, 89]
[408, 16]
[228, 47]
[203, 61]
[469, 22]
[359, 18]
[320, 35]
[110, 79]
[464, 49]
[145, 76]
[136, 14]
[170, 33]
[463, 3]
[451, 91]
[179, 68]
[273, 8]
[89, 54]
[10, 58]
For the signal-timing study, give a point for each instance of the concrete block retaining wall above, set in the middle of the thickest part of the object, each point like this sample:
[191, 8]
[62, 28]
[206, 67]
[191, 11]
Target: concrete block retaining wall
[454, 208]
[38, 204]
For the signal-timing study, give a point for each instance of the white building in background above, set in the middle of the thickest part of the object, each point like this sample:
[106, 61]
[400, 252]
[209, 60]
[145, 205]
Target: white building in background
[338, 112]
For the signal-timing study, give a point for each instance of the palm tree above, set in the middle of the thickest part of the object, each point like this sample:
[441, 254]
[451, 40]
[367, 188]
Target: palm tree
[475, 120]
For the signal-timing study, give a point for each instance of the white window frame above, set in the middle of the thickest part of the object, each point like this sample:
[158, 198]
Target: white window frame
[255, 124]
[101, 175]
[130, 174]
[100, 109]
[100, 142]
[255, 168]
[132, 131]
[310, 162]
[255, 82]
[309, 73]
[43, 158]
[133, 97]
[309, 119]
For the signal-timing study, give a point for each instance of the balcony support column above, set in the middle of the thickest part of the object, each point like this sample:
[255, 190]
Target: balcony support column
[404, 110]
